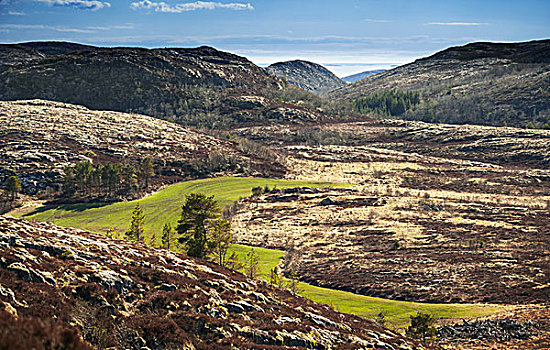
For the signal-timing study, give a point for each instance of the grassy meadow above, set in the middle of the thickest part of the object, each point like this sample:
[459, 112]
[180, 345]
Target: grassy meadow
[159, 208]
[397, 312]
[165, 206]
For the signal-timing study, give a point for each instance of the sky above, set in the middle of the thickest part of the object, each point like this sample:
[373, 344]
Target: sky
[347, 36]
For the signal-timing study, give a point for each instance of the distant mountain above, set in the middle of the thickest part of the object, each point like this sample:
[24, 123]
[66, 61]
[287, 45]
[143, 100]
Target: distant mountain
[479, 83]
[355, 77]
[201, 87]
[306, 75]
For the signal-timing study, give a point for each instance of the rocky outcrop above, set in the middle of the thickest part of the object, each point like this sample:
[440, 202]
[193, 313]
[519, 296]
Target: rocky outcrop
[500, 329]
[105, 293]
[306, 75]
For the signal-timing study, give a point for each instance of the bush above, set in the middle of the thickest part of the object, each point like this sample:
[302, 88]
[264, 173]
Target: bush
[422, 326]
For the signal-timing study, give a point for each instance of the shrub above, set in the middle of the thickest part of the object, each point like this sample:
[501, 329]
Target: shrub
[422, 326]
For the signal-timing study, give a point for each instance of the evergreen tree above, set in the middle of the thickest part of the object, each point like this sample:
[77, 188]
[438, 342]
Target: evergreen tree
[251, 264]
[146, 170]
[153, 239]
[83, 175]
[129, 177]
[136, 225]
[13, 186]
[422, 326]
[219, 239]
[196, 211]
[167, 238]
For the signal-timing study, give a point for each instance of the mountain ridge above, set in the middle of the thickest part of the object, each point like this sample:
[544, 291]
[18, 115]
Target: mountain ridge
[200, 87]
[480, 83]
[362, 75]
[306, 75]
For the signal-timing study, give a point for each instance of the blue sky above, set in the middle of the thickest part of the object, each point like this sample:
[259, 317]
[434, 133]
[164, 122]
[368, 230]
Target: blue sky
[346, 35]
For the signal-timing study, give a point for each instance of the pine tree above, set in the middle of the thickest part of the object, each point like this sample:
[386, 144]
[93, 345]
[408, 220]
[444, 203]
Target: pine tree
[196, 211]
[293, 281]
[136, 226]
[167, 238]
[251, 264]
[13, 186]
[146, 170]
[422, 326]
[219, 239]
[153, 239]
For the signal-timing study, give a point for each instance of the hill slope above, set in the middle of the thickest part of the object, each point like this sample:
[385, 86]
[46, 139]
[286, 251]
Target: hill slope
[201, 87]
[479, 83]
[39, 138]
[68, 287]
[15, 53]
[355, 77]
[307, 75]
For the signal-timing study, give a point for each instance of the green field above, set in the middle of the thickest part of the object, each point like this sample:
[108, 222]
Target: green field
[160, 208]
[397, 312]
[164, 207]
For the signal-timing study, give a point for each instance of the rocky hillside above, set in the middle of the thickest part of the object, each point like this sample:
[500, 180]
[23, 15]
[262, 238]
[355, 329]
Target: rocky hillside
[479, 83]
[15, 53]
[307, 75]
[39, 138]
[65, 288]
[201, 87]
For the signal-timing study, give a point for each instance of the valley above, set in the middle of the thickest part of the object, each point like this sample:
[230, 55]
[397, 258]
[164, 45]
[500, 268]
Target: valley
[369, 219]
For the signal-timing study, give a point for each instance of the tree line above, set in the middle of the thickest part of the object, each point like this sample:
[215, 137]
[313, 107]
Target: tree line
[85, 179]
[388, 102]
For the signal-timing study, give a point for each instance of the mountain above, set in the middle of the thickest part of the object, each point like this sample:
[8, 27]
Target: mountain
[201, 87]
[355, 77]
[306, 75]
[15, 53]
[39, 138]
[479, 83]
[63, 288]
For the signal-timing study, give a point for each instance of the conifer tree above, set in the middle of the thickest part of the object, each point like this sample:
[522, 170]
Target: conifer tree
[167, 238]
[197, 210]
[13, 186]
[146, 170]
[136, 225]
[219, 239]
[251, 264]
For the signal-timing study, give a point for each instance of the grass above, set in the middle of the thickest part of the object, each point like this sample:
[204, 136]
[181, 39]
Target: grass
[164, 206]
[160, 208]
[397, 312]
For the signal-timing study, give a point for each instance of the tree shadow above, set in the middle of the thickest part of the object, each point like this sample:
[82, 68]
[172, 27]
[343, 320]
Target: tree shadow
[74, 208]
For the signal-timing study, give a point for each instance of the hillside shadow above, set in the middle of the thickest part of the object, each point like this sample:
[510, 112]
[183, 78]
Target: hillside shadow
[73, 208]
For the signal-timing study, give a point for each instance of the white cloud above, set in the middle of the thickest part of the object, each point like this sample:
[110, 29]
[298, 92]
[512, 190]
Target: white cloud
[16, 13]
[372, 20]
[457, 24]
[80, 4]
[125, 26]
[44, 27]
[188, 6]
